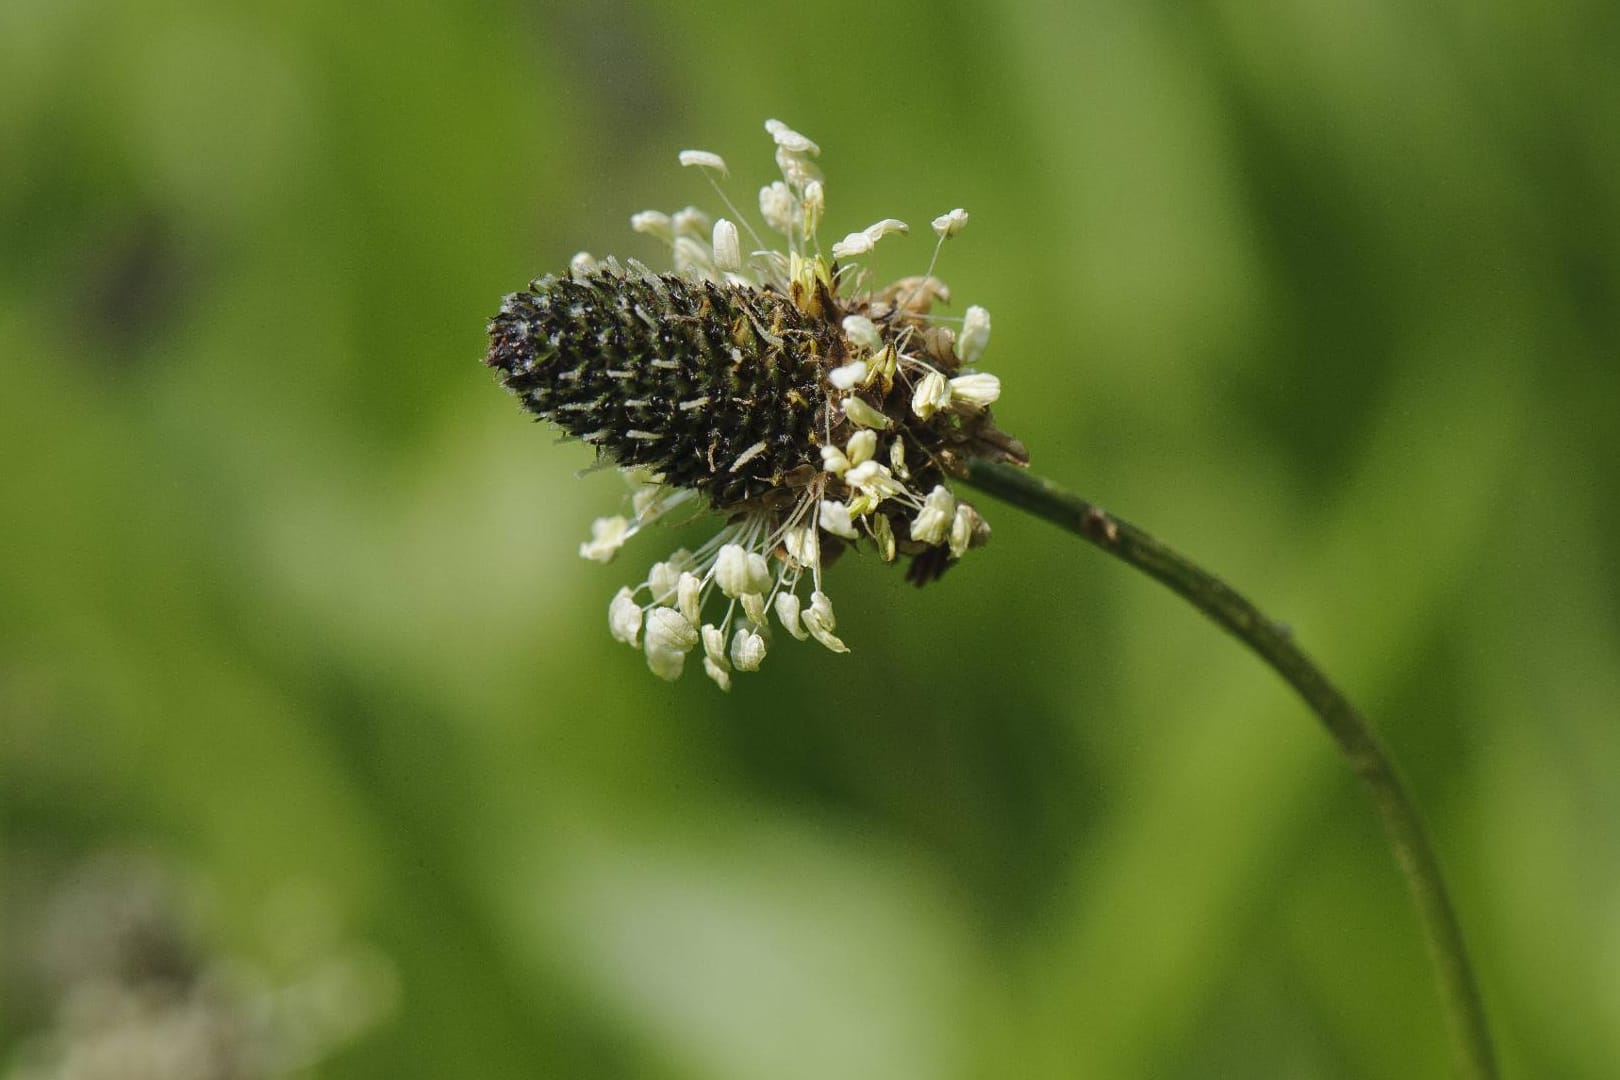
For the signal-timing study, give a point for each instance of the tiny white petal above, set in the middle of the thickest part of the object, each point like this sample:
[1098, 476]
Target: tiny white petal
[727, 246]
[932, 393]
[863, 332]
[981, 389]
[860, 412]
[833, 517]
[747, 649]
[788, 139]
[856, 243]
[653, 223]
[975, 334]
[834, 461]
[689, 596]
[624, 617]
[703, 159]
[933, 522]
[753, 605]
[821, 623]
[848, 376]
[787, 612]
[862, 446]
[690, 222]
[948, 225]
[582, 263]
[608, 535]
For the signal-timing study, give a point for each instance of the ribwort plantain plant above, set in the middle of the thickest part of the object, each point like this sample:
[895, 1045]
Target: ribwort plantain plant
[819, 412]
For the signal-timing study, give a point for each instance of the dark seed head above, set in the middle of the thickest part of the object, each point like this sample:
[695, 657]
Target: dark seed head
[716, 387]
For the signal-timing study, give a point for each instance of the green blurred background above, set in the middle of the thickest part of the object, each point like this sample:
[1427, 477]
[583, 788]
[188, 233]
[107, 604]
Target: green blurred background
[1324, 292]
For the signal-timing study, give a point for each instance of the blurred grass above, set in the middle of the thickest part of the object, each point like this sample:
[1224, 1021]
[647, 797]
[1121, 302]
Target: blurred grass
[1324, 293]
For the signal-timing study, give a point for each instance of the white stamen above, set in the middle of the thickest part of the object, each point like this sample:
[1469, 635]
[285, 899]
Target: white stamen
[624, 617]
[669, 638]
[963, 527]
[860, 412]
[874, 479]
[689, 596]
[821, 623]
[975, 335]
[791, 140]
[833, 517]
[664, 578]
[948, 225]
[714, 644]
[787, 612]
[747, 649]
[748, 455]
[721, 677]
[738, 570]
[862, 447]
[932, 393]
[980, 390]
[608, 535]
[815, 204]
[653, 223]
[883, 534]
[887, 227]
[897, 458]
[863, 332]
[703, 159]
[934, 520]
[777, 208]
[856, 243]
[690, 222]
[848, 376]
[797, 169]
[802, 545]
[692, 254]
[727, 246]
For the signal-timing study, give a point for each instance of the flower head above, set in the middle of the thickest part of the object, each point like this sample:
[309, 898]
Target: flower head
[816, 411]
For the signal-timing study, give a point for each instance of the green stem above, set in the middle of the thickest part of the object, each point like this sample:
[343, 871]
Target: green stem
[1350, 730]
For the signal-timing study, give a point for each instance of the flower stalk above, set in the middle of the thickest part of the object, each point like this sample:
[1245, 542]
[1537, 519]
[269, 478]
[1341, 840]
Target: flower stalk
[1355, 737]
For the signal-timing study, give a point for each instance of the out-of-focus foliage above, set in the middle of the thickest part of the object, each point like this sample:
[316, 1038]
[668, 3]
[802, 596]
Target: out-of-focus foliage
[1324, 292]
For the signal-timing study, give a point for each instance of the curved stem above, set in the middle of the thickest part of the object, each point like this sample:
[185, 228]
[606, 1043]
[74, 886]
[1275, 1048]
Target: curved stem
[1355, 737]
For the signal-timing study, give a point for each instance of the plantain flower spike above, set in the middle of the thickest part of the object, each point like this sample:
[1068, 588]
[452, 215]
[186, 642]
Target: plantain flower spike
[813, 410]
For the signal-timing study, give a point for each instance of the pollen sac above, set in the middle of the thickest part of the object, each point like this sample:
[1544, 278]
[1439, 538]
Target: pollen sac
[711, 385]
